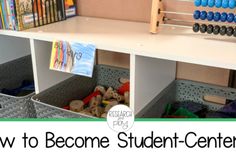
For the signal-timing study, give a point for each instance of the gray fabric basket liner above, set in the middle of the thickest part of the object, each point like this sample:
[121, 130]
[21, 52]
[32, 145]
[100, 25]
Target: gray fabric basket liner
[49, 103]
[185, 90]
[11, 76]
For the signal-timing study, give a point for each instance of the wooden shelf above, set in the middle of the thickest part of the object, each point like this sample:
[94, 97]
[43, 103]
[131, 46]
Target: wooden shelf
[176, 44]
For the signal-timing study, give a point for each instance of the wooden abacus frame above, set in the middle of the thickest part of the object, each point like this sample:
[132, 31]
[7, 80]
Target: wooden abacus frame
[156, 16]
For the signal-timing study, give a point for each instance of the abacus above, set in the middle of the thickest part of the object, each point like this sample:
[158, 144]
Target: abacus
[210, 22]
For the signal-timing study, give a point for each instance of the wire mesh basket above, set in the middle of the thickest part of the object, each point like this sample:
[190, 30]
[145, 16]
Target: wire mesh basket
[187, 91]
[50, 103]
[11, 76]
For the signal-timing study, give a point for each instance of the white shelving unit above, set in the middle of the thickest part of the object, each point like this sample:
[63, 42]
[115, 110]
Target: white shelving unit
[152, 57]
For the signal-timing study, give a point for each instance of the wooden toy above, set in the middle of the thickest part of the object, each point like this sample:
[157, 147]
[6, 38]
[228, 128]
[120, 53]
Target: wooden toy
[77, 105]
[101, 89]
[101, 100]
[216, 23]
[108, 94]
[97, 111]
[126, 95]
[104, 115]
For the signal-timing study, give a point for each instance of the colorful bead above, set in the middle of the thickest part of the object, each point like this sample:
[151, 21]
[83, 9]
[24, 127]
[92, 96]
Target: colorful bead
[223, 30]
[204, 3]
[230, 31]
[196, 14]
[210, 29]
[211, 3]
[196, 27]
[210, 16]
[203, 15]
[217, 16]
[197, 3]
[218, 3]
[223, 17]
[216, 30]
[234, 34]
[232, 4]
[203, 28]
[230, 17]
[225, 3]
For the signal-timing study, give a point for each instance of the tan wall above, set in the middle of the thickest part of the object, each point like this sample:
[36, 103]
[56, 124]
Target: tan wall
[139, 10]
[134, 10]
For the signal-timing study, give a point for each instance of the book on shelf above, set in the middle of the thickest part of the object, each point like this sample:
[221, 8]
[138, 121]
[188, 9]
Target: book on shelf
[24, 14]
[70, 8]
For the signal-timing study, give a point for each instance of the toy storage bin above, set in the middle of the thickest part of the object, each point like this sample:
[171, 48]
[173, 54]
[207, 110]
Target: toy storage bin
[11, 76]
[49, 103]
[185, 90]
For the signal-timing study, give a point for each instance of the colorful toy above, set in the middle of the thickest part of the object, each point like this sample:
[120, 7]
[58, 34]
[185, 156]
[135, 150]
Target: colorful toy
[124, 88]
[88, 98]
[101, 100]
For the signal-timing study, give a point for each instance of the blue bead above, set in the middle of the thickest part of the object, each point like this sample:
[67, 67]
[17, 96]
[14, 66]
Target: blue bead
[203, 15]
[196, 14]
[232, 4]
[225, 3]
[211, 3]
[217, 16]
[230, 17]
[235, 18]
[223, 17]
[218, 3]
[210, 16]
[197, 3]
[204, 3]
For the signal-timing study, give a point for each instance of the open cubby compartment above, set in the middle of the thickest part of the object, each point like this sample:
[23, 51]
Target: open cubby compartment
[157, 87]
[51, 85]
[15, 67]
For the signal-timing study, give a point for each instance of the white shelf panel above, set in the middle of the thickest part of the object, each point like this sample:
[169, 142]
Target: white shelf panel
[13, 48]
[177, 44]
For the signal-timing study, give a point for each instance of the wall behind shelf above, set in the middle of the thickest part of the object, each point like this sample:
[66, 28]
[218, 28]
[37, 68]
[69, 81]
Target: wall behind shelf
[139, 10]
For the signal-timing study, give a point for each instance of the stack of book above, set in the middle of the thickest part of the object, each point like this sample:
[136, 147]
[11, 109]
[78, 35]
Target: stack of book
[23, 14]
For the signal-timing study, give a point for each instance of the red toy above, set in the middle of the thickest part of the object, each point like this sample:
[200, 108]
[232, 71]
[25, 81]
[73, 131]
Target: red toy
[124, 88]
[88, 98]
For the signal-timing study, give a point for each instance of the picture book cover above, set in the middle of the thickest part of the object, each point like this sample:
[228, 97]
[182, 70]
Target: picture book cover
[4, 13]
[8, 11]
[13, 14]
[70, 6]
[2, 25]
[72, 57]
[25, 15]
